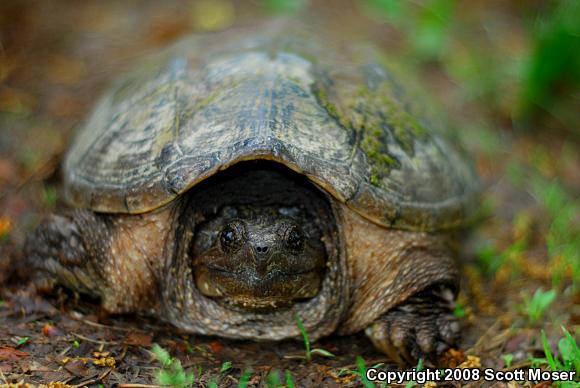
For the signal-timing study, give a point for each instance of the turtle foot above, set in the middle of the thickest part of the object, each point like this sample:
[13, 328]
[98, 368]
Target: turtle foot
[422, 327]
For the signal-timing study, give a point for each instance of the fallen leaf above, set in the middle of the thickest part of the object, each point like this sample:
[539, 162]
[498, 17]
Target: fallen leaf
[11, 354]
[66, 360]
[215, 346]
[453, 357]
[104, 361]
[471, 362]
[5, 226]
[77, 368]
[138, 339]
[518, 341]
[50, 331]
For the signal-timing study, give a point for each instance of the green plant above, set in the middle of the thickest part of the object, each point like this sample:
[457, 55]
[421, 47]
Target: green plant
[362, 372]
[289, 381]
[536, 306]
[345, 372]
[490, 260]
[245, 378]
[553, 69]
[419, 368]
[430, 23]
[273, 379]
[226, 366]
[569, 359]
[508, 359]
[515, 173]
[171, 373]
[459, 310]
[561, 240]
[49, 196]
[284, 6]
[188, 347]
[309, 352]
[22, 340]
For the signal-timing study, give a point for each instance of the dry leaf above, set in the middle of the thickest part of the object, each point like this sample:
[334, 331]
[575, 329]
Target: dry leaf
[5, 226]
[138, 339]
[11, 354]
[104, 361]
[471, 362]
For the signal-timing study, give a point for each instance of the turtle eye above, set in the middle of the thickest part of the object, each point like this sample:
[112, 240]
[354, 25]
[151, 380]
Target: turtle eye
[294, 238]
[232, 235]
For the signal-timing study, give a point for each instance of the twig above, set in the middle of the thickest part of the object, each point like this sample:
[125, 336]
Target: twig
[95, 341]
[497, 341]
[3, 377]
[482, 338]
[92, 381]
[517, 366]
[65, 351]
[380, 360]
[101, 326]
[123, 353]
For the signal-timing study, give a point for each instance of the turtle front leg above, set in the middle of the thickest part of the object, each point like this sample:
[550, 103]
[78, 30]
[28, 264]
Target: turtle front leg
[113, 258]
[67, 249]
[423, 326]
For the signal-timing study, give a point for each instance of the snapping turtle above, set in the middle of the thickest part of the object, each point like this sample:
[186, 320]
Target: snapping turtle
[236, 181]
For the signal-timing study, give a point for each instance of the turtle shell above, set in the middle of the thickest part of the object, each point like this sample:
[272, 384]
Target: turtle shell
[338, 114]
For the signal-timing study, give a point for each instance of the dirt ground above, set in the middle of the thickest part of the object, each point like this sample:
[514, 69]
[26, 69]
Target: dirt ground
[55, 59]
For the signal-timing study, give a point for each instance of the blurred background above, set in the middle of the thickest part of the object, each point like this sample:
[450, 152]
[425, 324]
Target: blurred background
[505, 73]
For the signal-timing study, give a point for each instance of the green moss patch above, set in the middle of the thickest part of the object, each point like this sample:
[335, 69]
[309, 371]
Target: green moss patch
[376, 115]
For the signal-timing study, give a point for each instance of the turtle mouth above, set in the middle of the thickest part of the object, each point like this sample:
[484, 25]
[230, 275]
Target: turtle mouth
[248, 290]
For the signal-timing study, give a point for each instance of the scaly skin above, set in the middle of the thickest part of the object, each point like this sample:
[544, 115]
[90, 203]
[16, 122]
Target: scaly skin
[422, 327]
[114, 258]
[378, 279]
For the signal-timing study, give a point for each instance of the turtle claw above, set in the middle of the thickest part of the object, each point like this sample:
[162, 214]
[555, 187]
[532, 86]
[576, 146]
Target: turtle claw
[423, 327]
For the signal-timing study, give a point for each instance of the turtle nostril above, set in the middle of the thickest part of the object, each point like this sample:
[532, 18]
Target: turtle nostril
[262, 249]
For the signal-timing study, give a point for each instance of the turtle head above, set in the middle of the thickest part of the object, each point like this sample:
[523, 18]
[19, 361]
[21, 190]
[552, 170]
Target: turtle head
[259, 259]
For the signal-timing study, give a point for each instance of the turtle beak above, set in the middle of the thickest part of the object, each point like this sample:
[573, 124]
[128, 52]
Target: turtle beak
[262, 257]
[260, 285]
